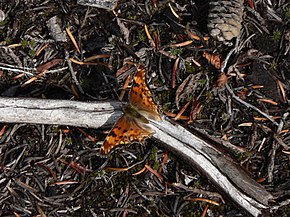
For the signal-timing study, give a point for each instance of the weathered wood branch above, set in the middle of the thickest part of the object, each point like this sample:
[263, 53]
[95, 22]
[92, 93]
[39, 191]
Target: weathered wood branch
[59, 112]
[222, 171]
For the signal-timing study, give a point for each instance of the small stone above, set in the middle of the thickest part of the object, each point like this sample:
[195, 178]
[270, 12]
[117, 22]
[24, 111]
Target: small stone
[105, 4]
[2, 16]
[55, 29]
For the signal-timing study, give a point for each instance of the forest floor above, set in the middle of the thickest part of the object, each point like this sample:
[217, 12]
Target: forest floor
[49, 170]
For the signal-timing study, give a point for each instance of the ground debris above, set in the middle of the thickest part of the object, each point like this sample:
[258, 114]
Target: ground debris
[238, 98]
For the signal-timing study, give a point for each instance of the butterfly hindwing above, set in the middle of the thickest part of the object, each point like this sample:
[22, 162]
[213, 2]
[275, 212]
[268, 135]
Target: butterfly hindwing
[126, 130]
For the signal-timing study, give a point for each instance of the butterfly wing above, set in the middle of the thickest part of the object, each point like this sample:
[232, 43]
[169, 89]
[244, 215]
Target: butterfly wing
[141, 97]
[126, 130]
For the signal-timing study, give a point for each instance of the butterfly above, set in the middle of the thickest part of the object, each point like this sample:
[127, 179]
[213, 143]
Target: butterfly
[133, 124]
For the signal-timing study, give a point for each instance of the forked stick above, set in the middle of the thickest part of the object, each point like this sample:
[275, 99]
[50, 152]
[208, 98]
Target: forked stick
[226, 175]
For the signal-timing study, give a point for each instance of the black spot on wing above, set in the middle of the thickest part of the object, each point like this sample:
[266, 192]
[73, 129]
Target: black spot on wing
[113, 134]
[136, 85]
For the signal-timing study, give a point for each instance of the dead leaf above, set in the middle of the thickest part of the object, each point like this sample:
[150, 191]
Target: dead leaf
[213, 59]
[48, 65]
[222, 80]
[187, 88]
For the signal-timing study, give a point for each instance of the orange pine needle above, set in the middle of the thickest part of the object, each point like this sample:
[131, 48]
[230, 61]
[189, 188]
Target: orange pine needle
[195, 37]
[251, 3]
[46, 66]
[72, 39]
[29, 81]
[125, 86]
[268, 101]
[182, 110]
[68, 182]
[181, 44]
[155, 2]
[149, 36]
[205, 211]
[260, 180]
[98, 56]
[196, 108]
[257, 86]
[123, 69]
[282, 90]
[174, 12]
[246, 124]
[286, 152]
[204, 200]
[265, 119]
[164, 160]
[18, 76]
[82, 63]
[172, 115]
[139, 172]
[48, 169]
[117, 169]
[195, 62]
[87, 135]
[3, 131]
[16, 214]
[74, 90]
[154, 172]
[77, 167]
[173, 73]
[66, 130]
[157, 40]
[165, 53]
[41, 49]
[284, 131]
[14, 45]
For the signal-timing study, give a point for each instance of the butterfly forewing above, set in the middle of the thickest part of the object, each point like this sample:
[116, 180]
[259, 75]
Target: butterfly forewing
[141, 97]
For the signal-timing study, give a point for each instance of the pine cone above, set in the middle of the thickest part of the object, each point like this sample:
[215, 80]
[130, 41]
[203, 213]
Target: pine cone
[225, 18]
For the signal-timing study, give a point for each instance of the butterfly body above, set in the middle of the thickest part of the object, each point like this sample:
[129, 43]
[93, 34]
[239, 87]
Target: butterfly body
[133, 124]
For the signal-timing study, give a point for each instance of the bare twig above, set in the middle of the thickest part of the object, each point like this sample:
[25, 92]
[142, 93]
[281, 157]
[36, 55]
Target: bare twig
[250, 106]
[72, 72]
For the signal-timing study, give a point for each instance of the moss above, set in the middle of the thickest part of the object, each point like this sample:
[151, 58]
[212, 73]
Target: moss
[287, 12]
[176, 51]
[153, 154]
[276, 36]
[202, 82]
[164, 98]
[29, 45]
[190, 68]
[3, 23]
[131, 16]
[26, 43]
[156, 165]
[273, 66]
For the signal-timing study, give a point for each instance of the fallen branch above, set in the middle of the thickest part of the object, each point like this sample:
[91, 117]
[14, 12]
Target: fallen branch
[221, 170]
[59, 112]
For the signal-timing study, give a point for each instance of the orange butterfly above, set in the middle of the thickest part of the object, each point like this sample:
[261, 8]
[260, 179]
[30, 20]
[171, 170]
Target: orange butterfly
[132, 125]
